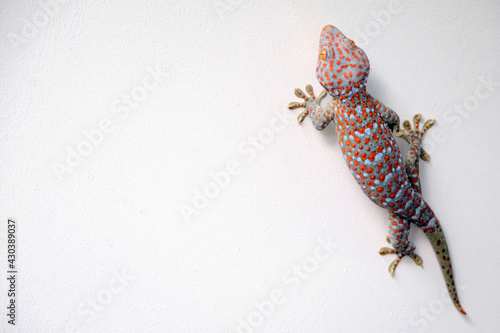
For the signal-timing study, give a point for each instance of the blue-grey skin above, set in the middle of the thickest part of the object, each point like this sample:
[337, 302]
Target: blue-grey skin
[365, 129]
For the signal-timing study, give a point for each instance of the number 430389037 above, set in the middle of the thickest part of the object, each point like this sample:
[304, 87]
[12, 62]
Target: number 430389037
[11, 243]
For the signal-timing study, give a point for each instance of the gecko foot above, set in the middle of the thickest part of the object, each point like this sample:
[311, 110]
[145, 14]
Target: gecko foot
[415, 135]
[309, 103]
[400, 254]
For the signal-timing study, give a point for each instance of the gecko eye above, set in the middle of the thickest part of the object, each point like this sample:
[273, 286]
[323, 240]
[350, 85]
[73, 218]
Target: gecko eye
[352, 43]
[322, 54]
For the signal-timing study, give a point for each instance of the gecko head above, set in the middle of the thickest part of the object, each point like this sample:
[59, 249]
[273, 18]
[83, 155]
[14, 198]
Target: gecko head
[342, 66]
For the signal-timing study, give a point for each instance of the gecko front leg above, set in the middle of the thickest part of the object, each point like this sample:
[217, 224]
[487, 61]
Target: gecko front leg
[414, 138]
[320, 118]
[388, 115]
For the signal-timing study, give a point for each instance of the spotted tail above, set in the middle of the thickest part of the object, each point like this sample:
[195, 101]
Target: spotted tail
[438, 241]
[424, 217]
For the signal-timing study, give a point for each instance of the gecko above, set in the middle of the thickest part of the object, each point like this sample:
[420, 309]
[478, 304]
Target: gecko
[366, 131]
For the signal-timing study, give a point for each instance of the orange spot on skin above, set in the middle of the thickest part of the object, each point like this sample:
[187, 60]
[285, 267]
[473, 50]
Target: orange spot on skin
[372, 156]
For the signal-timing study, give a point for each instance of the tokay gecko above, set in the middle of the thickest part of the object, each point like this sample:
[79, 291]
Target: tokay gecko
[366, 130]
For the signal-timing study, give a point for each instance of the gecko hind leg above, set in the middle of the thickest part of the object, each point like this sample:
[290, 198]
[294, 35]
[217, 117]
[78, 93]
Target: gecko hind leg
[399, 230]
[414, 138]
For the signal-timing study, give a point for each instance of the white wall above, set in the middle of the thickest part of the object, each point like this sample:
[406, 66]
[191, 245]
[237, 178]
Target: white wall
[102, 243]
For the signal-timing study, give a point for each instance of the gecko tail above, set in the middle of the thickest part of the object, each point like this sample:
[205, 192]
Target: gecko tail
[436, 237]
[424, 217]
